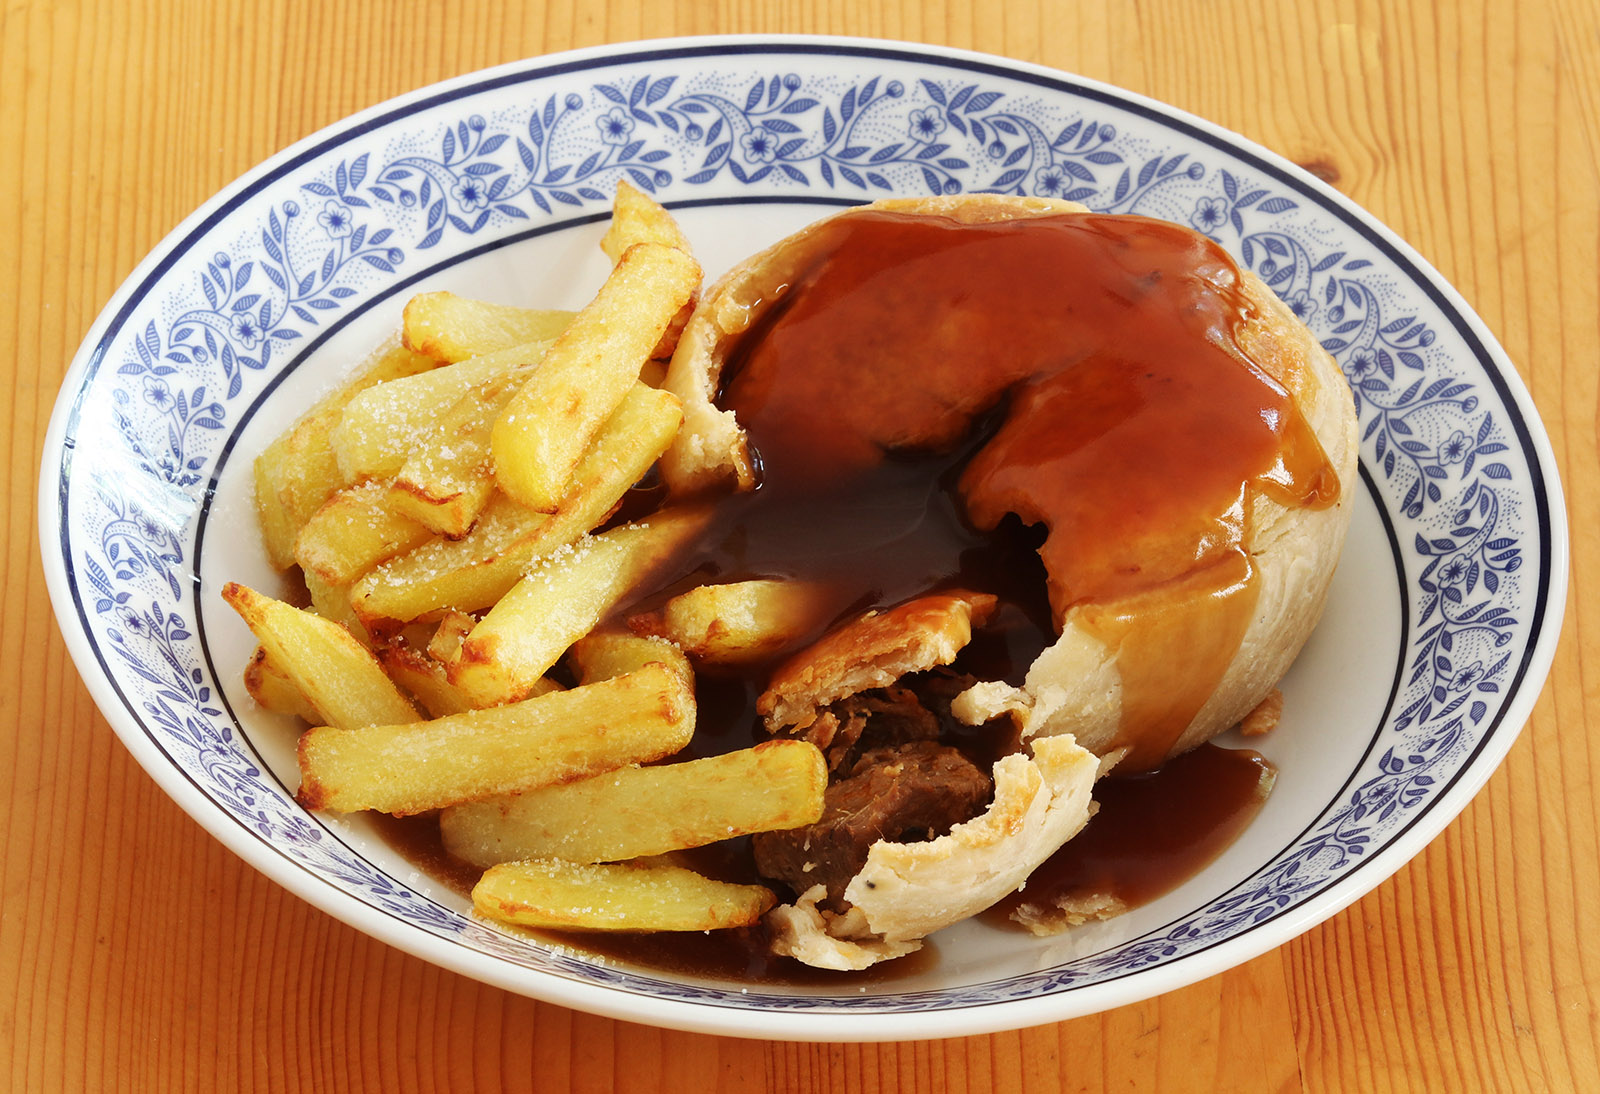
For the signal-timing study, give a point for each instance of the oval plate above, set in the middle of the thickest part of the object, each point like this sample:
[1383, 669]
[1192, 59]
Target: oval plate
[1439, 633]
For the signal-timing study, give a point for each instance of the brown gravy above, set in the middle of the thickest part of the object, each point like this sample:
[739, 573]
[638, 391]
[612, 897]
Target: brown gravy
[1153, 831]
[1125, 418]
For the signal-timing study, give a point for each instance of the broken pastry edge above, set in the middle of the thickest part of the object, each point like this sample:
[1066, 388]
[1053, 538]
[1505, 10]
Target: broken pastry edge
[907, 891]
[1075, 687]
[1066, 912]
[874, 650]
[828, 940]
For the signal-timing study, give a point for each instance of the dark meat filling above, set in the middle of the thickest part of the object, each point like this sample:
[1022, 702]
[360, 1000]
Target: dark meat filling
[916, 709]
[892, 780]
[894, 713]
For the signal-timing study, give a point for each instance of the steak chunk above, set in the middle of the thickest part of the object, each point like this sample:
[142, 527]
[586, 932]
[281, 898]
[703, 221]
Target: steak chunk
[917, 708]
[904, 793]
[873, 719]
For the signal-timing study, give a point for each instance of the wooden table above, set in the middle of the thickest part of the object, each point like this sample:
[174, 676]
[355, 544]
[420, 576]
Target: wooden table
[136, 953]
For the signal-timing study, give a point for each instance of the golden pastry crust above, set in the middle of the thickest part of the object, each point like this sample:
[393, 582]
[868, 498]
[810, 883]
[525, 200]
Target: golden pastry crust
[826, 940]
[1074, 687]
[872, 651]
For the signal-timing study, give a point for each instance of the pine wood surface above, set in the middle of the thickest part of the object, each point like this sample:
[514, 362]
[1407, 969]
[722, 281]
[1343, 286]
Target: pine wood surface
[136, 953]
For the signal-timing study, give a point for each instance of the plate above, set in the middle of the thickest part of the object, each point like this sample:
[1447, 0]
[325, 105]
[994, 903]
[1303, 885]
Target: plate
[1441, 625]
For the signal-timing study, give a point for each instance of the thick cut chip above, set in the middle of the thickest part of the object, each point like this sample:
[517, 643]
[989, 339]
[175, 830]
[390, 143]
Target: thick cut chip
[272, 689]
[426, 679]
[354, 531]
[738, 622]
[333, 602]
[299, 471]
[615, 897]
[467, 574]
[338, 675]
[602, 654]
[378, 427]
[635, 812]
[477, 570]
[552, 738]
[542, 436]
[451, 328]
[560, 601]
[446, 480]
[636, 218]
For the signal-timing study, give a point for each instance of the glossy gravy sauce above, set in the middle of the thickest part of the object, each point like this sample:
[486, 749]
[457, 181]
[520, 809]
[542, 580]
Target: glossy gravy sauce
[1055, 411]
[1131, 425]
[1152, 832]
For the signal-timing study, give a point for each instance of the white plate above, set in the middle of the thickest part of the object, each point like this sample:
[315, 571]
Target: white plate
[1444, 613]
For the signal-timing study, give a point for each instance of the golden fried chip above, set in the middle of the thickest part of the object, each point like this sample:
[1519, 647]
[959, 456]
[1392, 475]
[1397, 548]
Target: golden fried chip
[615, 897]
[551, 738]
[635, 812]
[540, 439]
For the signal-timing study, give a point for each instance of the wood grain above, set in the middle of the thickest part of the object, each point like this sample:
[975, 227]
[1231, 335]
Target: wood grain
[137, 954]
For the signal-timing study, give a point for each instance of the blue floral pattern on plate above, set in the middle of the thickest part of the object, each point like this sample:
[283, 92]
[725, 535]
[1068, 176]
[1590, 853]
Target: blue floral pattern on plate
[315, 238]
